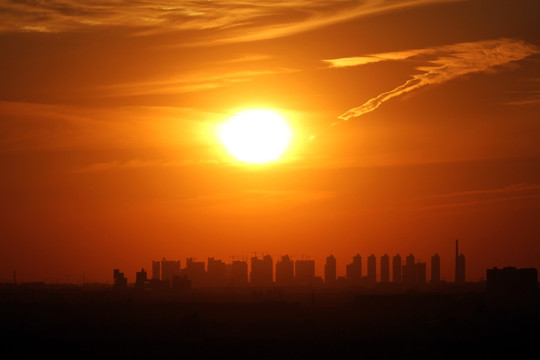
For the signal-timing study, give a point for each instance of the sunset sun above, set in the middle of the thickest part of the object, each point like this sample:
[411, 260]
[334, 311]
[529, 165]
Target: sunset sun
[256, 136]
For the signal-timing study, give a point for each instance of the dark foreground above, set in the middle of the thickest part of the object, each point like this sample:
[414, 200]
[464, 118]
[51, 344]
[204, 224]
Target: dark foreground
[100, 324]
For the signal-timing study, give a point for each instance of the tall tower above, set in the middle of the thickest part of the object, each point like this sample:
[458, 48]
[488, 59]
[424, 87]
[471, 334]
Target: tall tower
[330, 270]
[262, 273]
[460, 266]
[285, 271]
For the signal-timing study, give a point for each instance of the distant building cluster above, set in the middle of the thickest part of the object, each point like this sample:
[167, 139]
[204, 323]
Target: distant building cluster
[510, 282]
[408, 272]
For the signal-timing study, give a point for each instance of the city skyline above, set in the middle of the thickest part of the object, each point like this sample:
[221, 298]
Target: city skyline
[216, 128]
[287, 271]
[358, 264]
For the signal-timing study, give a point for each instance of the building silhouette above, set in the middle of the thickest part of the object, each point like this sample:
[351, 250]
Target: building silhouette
[396, 269]
[119, 280]
[217, 273]
[304, 272]
[435, 269]
[409, 271]
[239, 273]
[460, 266]
[330, 274]
[512, 283]
[169, 268]
[385, 268]
[285, 271]
[156, 273]
[354, 270]
[195, 272]
[262, 271]
[141, 279]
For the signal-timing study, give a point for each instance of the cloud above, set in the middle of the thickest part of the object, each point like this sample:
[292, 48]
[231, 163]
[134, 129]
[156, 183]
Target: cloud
[192, 82]
[235, 20]
[363, 60]
[480, 197]
[37, 127]
[443, 64]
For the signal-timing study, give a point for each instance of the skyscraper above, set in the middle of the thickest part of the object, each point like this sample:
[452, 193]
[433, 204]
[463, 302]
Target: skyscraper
[217, 273]
[435, 269]
[120, 281]
[262, 271]
[460, 266]
[330, 270]
[195, 272]
[396, 269]
[409, 271]
[239, 273]
[371, 269]
[285, 271]
[385, 268]
[354, 270]
[169, 269]
[140, 279]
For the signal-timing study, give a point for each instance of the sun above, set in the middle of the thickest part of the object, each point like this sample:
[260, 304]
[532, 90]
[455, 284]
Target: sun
[256, 136]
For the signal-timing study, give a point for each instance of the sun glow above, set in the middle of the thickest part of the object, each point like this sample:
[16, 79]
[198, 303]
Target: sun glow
[256, 136]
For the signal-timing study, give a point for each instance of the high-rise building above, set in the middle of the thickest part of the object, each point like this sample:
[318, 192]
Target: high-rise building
[460, 266]
[385, 268]
[141, 278]
[156, 273]
[217, 273]
[169, 268]
[330, 270]
[354, 270]
[239, 273]
[371, 269]
[435, 269]
[285, 271]
[262, 271]
[119, 280]
[195, 272]
[304, 272]
[396, 269]
[510, 282]
[409, 271]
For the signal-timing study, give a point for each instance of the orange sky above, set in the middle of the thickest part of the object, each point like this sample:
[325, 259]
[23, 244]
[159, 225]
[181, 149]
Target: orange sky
[415, 123]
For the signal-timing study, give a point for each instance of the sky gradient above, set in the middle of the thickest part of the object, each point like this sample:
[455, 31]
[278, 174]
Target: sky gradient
[415, 123]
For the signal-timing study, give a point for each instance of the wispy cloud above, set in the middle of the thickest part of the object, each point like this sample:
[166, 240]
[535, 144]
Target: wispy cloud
[375, 58]
[30, 127]
[481, 197]
[236, 20]
[192, 82]
[527, 97]
[443, 64]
